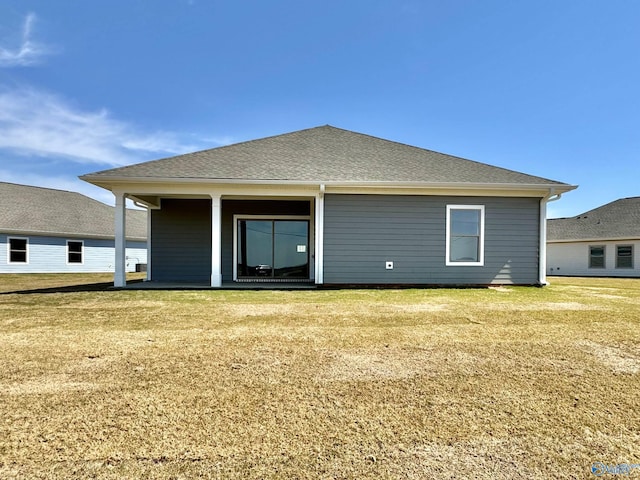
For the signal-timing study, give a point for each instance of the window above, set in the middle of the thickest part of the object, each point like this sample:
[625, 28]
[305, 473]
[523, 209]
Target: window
[18, 250]
[465, 235]
[596, 256]
[624, 256]
[74, 251]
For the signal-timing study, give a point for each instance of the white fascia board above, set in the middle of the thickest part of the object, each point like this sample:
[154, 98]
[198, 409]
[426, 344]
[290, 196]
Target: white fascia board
[91, 236]
[595, 240]
[163, 186]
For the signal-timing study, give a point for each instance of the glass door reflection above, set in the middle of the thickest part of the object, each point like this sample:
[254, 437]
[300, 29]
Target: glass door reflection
[273, 249]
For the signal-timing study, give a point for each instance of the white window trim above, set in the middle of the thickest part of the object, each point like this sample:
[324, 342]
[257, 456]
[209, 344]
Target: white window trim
[630, 245]
[604, 257]
[480, 262]
[269, 217]
[81, 252]
[9, 262]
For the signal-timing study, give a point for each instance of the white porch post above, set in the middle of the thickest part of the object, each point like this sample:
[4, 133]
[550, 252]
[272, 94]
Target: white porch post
[148, 244]
[216, 244]
[319, 240]
[120, 276]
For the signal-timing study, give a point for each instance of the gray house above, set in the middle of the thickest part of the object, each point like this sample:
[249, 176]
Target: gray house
[43, 230]
[603, 242]
[335, 207]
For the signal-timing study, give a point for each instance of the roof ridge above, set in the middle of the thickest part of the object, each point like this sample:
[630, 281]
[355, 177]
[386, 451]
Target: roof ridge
[42, 188]
[607, 205]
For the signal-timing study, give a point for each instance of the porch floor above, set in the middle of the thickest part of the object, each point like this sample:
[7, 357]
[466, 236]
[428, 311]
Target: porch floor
[153, 285]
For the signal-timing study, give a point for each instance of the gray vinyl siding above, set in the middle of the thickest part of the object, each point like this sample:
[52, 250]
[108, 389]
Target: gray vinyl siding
[363, 232]
[252, 207]
[47, 254]
[181, 241]
[181, 235]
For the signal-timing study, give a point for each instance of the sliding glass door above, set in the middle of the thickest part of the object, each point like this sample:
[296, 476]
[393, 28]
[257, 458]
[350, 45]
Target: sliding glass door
[272, 248]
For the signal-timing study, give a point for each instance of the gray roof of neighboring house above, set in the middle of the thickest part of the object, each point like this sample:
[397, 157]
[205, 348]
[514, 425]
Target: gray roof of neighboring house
[323, 154]
[44, 211]
[616, 220]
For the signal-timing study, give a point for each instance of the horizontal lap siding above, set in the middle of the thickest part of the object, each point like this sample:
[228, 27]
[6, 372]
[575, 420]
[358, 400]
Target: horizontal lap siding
[362, 232]
[49, 255]
[572, 259]
[181, 241]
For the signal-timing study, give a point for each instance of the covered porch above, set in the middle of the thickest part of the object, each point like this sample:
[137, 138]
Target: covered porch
[227, 239]
[152, 285]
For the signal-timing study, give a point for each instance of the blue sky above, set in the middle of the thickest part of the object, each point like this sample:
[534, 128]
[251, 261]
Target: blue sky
[549, 88]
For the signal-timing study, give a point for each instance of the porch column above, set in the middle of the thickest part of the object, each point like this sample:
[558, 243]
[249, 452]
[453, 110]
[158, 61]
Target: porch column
[120, 276]
[216, 240]
[148, 244]
[319, 233]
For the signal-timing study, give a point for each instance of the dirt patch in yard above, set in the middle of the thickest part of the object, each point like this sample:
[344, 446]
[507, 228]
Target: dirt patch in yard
[619, 359]
[395, 363]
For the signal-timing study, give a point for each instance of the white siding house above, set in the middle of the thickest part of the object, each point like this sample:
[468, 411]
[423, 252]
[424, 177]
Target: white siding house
[604, 242]
[44, 230]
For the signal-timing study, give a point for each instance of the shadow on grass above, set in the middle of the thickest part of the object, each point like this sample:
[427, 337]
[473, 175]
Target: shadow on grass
[89, 287]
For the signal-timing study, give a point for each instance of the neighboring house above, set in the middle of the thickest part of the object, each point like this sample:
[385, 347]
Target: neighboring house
[43, 230]
[335, 207]
[604, 242]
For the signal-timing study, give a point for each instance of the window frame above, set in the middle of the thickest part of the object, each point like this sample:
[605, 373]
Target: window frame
[604, 256]
[480, 236]
[81, 262]
[242, 216]
[26, 251]
[630, 247]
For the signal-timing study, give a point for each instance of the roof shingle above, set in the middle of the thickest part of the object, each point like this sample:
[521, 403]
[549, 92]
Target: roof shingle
[46, 211]
[323, 154]
[616, 220]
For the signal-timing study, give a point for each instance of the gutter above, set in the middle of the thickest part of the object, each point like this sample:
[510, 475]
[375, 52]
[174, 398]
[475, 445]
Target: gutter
[100, 180]
[597, 239]
[42, 233]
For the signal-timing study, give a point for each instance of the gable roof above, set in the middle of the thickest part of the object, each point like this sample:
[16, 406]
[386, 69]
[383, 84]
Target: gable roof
[29, 210]
[616, 220]
[320, 155]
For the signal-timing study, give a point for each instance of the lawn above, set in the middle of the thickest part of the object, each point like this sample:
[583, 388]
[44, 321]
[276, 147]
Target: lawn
[478, 383]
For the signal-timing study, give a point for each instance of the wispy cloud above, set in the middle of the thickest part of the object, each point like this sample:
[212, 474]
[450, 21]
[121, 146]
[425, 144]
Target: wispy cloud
[28, 52]
[38, 124]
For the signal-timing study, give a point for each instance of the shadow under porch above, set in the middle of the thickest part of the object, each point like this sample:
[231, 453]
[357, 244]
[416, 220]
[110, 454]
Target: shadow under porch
[181, 242]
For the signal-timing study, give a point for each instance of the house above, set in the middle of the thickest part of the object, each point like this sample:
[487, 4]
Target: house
[43, 230]
[335, 207]
[603, 242]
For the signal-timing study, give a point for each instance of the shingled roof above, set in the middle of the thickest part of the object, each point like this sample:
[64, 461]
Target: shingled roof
[324, 155]
[32, 210]
[616, 220]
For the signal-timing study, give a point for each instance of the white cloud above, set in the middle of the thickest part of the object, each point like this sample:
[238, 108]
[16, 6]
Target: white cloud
[38, 124]
[28, 52]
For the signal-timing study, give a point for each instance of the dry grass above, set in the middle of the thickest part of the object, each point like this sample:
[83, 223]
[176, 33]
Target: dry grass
[495, 383]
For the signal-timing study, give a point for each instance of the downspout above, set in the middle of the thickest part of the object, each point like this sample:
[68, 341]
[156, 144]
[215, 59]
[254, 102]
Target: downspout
[552, 196]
